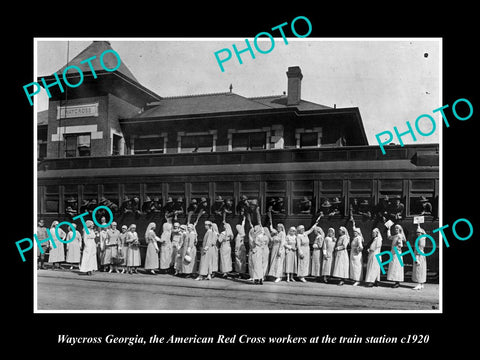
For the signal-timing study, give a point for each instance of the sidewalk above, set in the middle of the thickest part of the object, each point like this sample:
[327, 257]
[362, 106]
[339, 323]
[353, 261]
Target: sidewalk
[112, 291]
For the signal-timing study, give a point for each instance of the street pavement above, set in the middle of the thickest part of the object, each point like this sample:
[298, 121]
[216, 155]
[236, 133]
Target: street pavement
[71, 290]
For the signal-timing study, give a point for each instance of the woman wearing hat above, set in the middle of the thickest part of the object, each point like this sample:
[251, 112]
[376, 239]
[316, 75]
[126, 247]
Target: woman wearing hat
[177, 240]
[166, 245]
[89, 256]
[178, 208]
[303, 251]
[317, 254]
[373, 267]
[57, 251]
[240, 249]
[395, 269]
[151, 257]
[291, 253]
[277, 254]
[73, 247]
[179, 259]
[419, 271]
[305, 205]
[356, 263]
[191, 209]
[133, 251]
[111, 247]
[255, 261]
[189, 250]
[102, 239]
[334, 210]
[215, 247]
[341, 263]
[217, 209]
[41, 235]
[207, 253]
[327, 250]
[426, 206]
[122, 248]
[267, 243]
[169, 210]
[225, 238]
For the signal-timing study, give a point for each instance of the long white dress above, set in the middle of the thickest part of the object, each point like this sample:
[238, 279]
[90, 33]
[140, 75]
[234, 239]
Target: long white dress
[133, 250]
[265, 254]
[89, 256]
[356, 265]
[189, 247]
[111, 246]
[240, 254]
[57, 254]
[291, 254]
[166, 246]
[151, 256]
[303, 252]
[177, 242]
[317, 256]
[373, 267]
[395, 269]
[341, 263]
[73, 247]
[225, 253]
[419, 271]
[327, 251]
[277, 255]
[256, 260]
[206, 258]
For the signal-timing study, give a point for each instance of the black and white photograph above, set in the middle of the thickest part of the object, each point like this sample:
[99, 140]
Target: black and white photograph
[213, 180]
[259, 177]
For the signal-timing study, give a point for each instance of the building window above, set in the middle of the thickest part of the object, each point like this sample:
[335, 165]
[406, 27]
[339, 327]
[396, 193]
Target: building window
[70, 196]
[249, 141]
[149, 145]
[77, 145]
[42, 150]
[117, 145]
[196, 143]
[303, 201]
[52, 199]
[309, 140]
[422, 197]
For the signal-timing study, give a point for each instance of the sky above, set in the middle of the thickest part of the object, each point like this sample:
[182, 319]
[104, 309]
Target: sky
[391, 81]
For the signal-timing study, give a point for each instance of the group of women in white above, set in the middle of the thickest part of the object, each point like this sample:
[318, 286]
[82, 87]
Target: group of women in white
[272, 252]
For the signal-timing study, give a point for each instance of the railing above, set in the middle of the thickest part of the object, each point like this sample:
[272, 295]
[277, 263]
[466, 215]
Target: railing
[350, 153]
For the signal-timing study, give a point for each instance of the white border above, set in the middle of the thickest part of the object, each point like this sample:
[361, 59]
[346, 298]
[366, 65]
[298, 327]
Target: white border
[437, 311]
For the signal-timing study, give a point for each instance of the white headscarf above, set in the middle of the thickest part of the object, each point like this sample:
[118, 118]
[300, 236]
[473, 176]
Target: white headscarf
[149, 227]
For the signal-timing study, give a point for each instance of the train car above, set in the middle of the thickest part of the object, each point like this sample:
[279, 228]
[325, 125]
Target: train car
[113, 142]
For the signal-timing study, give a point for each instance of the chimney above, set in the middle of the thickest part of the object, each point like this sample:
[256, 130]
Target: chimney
[295, 77]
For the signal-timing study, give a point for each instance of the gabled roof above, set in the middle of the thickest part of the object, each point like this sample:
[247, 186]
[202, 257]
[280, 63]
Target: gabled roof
[219, 103]
[96, 48]
[280, 101]
[200, 104]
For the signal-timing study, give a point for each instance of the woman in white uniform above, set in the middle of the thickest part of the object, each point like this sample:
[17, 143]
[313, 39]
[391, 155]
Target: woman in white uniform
[395, 269]
[89, 256]
[73, 247]
[356, 259]
[341, 263]
[419, 270]
[373, 267]
[327, 249]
